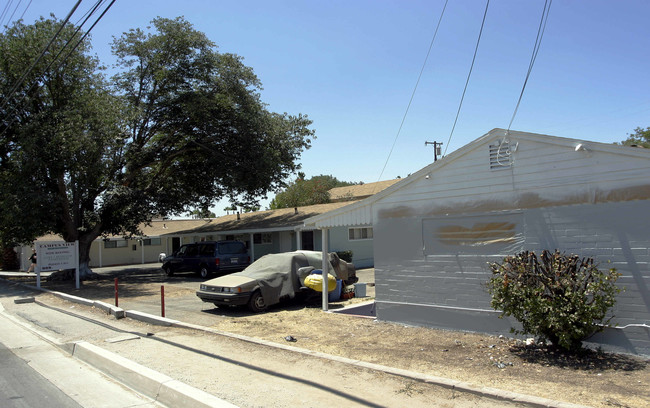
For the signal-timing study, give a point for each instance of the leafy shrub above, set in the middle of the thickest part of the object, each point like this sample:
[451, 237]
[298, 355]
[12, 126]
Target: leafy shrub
[557, 297]
[345, 255]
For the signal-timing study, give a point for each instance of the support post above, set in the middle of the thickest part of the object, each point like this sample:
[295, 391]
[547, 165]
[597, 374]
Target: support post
[76, 269]
[100, 245]
[325, 266]
[251, 239]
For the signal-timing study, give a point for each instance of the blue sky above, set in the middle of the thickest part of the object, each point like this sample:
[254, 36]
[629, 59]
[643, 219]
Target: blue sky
[352, 65]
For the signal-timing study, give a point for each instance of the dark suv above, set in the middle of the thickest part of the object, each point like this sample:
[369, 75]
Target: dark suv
[208, 257]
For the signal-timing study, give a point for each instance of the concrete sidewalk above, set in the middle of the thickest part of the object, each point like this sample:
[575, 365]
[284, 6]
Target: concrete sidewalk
[85, 385]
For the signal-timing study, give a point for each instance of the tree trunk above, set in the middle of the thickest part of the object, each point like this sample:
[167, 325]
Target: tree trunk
[85, 242]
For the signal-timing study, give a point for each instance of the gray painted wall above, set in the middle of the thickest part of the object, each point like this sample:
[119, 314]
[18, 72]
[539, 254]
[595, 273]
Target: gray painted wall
[424, 277]
[362, 253]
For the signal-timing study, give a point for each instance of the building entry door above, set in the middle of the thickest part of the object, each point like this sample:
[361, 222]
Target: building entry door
[307, 240]
[176, 243]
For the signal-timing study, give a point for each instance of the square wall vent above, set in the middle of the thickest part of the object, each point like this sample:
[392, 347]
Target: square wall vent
[500, 156]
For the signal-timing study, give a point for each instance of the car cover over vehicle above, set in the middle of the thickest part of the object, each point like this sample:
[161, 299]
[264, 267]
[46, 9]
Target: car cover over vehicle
[281, 275]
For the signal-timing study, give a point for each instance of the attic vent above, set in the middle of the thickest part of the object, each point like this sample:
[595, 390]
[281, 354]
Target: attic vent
[500, 156]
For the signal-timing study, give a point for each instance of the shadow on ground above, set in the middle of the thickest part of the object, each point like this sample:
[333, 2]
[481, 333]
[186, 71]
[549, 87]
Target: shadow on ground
[131, 283]
[585, 360]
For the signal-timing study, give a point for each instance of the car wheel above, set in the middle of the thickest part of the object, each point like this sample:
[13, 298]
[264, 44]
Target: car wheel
[256, 302]
[168, 270]
[203, 272]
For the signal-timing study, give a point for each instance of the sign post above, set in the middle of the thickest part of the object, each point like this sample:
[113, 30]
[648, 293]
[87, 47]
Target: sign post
[57, 255]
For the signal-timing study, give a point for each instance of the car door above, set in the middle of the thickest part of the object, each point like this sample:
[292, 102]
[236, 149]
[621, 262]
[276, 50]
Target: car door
[176, 260]
[191, 259]
[206, 256]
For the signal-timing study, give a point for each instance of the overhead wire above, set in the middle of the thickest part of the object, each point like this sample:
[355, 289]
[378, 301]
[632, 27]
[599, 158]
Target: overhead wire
[538, 43]
[25, 11]
[4, 11]
[414, 90]
[504, 152]
[3, 26]
[460, 105]
[14, 12]
[85, 18]
[83, 37]
[43, 52]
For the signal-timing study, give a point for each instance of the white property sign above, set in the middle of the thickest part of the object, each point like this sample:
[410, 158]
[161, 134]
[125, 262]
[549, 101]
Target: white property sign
[54, 256]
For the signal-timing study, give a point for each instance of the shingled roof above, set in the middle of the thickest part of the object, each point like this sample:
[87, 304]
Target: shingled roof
[284, 218]
[156, 229]
[359, 191]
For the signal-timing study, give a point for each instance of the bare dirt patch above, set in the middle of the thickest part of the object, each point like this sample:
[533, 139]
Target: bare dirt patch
[592, 378]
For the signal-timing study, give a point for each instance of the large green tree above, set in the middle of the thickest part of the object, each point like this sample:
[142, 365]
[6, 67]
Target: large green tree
[59, 134]
[307, 192]
[181, 127]
[640, 137]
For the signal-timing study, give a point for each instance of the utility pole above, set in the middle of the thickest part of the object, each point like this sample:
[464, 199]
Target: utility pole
[437, 149]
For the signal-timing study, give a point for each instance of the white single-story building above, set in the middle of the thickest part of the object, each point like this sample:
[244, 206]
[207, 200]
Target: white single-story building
[436, 230]
[264, 232]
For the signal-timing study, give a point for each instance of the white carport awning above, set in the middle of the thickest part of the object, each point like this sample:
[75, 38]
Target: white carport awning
[359, 213]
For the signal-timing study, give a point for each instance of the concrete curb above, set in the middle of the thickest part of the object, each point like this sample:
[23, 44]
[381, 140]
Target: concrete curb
[148, 382]
[151, 319]
[492, 393]
[107, 307]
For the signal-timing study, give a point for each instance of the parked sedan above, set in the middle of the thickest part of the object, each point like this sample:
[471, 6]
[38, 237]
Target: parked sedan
[271, 278]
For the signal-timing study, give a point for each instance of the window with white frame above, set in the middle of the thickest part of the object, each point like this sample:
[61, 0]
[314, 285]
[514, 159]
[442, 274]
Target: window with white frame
[115, 243]
[151, 242]
[359, 233]
[263, 238]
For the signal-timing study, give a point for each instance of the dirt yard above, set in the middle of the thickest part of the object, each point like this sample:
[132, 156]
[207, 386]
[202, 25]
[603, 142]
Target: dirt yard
[593, 379]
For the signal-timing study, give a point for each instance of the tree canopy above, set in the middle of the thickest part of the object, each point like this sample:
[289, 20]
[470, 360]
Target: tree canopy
[201, 213]
[180, 127]
[640, 137]
[307, 192]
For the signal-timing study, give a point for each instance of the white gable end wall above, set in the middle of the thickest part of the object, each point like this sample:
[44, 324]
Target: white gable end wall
[435, 234]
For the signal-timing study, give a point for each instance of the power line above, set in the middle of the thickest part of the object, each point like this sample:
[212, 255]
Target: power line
[478, 41]
[14, 12]
[26, 8]
[97, 5]
[414, 89]
[88, 14]
[538, 43]
[4, 11]
[3, 26]
[22, 78]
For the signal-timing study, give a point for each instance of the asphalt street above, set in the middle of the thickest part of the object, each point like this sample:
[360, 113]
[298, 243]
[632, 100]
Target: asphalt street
[22, 386]
[36, 373]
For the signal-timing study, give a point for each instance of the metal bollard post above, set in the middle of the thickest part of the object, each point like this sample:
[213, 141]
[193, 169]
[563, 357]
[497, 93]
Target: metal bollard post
[116, 302]
[162, 300]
